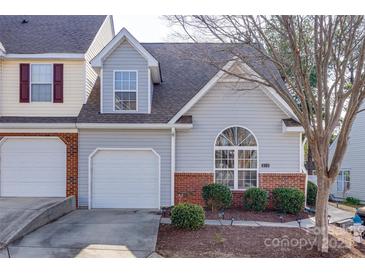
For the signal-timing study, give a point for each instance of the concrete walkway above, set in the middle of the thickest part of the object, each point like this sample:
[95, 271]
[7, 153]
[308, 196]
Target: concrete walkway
[103, 233]
[19, 216]
[336, 215]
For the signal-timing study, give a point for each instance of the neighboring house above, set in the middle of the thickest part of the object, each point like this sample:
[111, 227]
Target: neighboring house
[156, 127]
[350, 181]
[45, 77]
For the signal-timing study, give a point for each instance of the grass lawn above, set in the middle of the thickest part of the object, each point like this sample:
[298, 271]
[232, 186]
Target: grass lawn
[264, 242]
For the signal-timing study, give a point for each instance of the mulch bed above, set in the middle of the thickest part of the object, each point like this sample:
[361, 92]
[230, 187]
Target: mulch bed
[245, 215]
[259, 242]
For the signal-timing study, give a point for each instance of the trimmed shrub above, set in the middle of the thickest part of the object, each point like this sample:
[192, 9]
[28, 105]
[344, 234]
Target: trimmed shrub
[217, 196]
[188, 216]
[288, 200]
[352, 201]
[311, 193]
[255, 199]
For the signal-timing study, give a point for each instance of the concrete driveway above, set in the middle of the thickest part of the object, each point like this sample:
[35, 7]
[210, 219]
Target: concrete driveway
[92, 233]
[21, 215]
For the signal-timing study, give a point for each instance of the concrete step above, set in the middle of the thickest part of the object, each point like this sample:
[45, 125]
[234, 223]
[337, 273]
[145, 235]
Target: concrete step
[20, 216]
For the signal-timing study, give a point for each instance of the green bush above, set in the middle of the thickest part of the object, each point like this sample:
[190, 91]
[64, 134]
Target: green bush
[217, 196]
[188, 216]
[288, 200]
[255, 199]
[352, 201]
[311, 193]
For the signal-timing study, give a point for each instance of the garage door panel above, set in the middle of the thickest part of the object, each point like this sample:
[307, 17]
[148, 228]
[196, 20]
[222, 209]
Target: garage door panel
[43, 190]
[33, 167]
[125, 179]
[33, 175]
[54, 161]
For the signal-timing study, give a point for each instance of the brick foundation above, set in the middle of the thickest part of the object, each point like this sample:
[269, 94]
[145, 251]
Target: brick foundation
[188, 185]
[71, 141]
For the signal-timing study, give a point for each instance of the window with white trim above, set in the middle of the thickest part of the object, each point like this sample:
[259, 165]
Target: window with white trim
[343, 180]
[125, 90]
[235, 159]
[41, 82]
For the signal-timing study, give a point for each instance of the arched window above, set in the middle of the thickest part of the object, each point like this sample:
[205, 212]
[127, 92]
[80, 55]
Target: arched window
[236, 158]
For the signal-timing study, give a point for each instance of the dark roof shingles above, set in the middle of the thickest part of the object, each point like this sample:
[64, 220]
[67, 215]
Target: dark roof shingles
[183, 76]
[48, 33]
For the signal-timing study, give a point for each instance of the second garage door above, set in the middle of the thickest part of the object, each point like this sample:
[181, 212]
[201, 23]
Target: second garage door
[32, 167]
[125, 179]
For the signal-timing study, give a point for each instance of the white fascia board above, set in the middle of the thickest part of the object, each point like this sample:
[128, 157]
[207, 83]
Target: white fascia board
[201, 93]
[291, 129]
[125, 34]
[273, 95]
[131, 126]
[73, 56]
[37, 125]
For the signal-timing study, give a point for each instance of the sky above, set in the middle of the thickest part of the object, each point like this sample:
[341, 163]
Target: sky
[145, 28]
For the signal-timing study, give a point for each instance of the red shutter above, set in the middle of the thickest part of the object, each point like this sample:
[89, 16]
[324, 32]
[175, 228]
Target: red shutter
[58, 83]
[24, 83]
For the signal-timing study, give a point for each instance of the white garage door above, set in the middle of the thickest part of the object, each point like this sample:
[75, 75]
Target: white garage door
[32, 167]
[125, 179]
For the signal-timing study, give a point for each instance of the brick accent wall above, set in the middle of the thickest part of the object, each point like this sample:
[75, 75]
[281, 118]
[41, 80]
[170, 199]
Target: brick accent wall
[71, 141]
[269, 181]
[188, 185]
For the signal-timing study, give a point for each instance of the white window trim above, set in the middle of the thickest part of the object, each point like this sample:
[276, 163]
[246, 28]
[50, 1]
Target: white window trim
[114, 91]
[30, 84]
[343, 182]
[236, 149]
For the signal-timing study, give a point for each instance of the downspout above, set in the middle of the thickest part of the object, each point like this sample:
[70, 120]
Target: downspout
[173, 145]
[304, 170]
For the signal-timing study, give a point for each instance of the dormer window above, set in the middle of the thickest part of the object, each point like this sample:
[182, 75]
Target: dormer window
[125, 90]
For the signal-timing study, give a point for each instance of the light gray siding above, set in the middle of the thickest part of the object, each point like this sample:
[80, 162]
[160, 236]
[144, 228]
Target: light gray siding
[354, 159]
[125, 57]
[222, 107]
[159, 140]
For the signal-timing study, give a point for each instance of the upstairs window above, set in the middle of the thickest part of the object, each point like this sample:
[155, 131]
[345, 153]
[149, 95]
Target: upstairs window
[41, 81]
[125, 90]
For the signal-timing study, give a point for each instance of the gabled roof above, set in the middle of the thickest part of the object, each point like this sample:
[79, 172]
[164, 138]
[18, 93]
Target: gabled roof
[183, 78]
[40, 34]
[122, 36]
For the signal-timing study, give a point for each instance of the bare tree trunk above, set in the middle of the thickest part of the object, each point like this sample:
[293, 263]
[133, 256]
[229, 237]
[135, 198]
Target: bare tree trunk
[322, 212]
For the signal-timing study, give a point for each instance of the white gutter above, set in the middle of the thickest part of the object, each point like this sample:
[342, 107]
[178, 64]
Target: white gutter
[286, 129]
[131, 126]
[173, 145]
